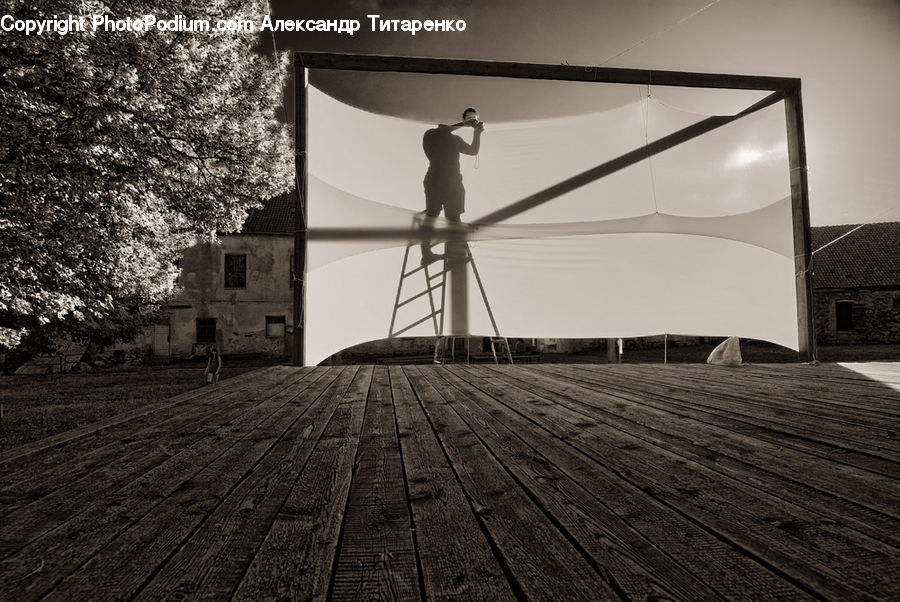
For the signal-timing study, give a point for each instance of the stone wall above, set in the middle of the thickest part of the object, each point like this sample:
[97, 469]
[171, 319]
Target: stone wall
[240, 312]
[876, 316]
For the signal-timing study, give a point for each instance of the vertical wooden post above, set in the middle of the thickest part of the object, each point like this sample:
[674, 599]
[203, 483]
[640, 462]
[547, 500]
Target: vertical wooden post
[298, 354]
[796, 137]
[611, 355]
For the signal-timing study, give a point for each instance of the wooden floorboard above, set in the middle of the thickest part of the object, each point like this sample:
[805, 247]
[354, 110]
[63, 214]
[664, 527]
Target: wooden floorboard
[455, 554]
[811, 550]
[541, 560]
[849, 493]
[376, 558]
[295, 560]
[103, 462]
[645, 482]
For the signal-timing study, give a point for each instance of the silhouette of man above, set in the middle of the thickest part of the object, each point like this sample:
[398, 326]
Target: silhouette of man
[443, 181]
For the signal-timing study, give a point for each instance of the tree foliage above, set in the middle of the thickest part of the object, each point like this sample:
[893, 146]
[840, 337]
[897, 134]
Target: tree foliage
[118, 150]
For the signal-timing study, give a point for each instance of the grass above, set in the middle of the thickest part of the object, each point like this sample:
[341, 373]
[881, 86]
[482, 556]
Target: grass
[35, 407]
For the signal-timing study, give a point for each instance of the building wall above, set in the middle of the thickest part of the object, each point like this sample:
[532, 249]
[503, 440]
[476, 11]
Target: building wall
[240, 312]
[876, 316]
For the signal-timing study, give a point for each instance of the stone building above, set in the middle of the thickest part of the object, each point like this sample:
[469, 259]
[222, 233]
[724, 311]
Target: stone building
[239, 286]
[856, 284]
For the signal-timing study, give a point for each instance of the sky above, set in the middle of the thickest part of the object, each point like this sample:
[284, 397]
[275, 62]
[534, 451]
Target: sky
[845, 51]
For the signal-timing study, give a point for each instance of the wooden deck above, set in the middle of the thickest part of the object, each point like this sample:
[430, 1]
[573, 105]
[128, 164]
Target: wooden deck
[555, 482]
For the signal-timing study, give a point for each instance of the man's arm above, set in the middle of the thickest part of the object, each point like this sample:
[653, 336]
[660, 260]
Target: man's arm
[473, 148]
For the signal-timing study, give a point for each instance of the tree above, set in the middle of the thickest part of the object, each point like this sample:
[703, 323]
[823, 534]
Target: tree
[121, 148]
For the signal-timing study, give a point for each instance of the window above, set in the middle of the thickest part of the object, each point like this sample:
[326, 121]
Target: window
[843, 316]
[235, 270]
[275, 326]
[848, 316]
[206, 330]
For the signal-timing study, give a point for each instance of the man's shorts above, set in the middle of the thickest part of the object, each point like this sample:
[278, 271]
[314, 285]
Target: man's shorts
[444, 191]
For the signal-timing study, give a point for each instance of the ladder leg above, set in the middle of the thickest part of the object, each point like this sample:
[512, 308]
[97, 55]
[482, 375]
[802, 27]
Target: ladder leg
[434, 318]
[471, 259]
[399, 289]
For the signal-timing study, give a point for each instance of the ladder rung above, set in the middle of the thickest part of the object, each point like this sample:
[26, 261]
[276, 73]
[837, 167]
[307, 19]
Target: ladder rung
[411, 272]
[416, 323]
[422, 294]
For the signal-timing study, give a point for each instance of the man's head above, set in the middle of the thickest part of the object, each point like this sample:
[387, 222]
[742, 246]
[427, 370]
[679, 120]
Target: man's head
[470, 113]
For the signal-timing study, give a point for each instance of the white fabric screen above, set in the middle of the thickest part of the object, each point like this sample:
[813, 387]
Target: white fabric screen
[697, 240]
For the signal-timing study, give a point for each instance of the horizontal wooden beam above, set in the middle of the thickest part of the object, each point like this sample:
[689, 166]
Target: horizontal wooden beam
[583, 73]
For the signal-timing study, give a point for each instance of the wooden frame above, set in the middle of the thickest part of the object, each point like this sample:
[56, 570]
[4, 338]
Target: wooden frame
[782, 88]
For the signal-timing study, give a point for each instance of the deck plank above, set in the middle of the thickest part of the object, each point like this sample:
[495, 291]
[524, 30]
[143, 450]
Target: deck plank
[639, 570]
[77, 539]
[90, 468]
[816, 553]
[296, 557]
[33, 472]
[211, 562]
[808, 397]
[124, 564]
[706, 407]
[764, 407]
[376, 556]
[472, 483]
[724, 568]
[841, 492]
[55, 441]
[457, 560]
[541, 560]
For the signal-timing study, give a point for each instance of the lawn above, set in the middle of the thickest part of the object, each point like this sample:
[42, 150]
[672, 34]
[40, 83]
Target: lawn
[35, 407]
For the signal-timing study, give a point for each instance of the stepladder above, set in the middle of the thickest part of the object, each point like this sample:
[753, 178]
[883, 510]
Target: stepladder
[422, 294]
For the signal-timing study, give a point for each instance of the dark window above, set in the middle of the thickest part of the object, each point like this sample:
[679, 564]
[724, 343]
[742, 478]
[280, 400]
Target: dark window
[206, 330]
[848, 316]
[843, 316]
[275, 326]
[235, 270]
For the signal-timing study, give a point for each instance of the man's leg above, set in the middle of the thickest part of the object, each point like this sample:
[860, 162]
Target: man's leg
[428, 256]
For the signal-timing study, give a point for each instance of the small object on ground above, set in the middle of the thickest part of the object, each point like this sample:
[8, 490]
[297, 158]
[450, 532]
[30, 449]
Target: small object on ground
[213, 364]
[728, 353]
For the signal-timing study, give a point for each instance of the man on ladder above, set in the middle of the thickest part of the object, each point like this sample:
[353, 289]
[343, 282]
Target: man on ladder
[443, 181]
[444, 191]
